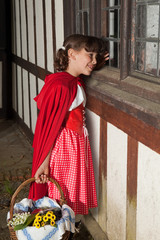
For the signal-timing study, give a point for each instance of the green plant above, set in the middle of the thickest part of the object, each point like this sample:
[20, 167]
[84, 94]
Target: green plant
[8, 187]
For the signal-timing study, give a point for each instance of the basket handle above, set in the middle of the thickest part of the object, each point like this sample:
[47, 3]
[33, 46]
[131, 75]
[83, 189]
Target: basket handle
[62, 198]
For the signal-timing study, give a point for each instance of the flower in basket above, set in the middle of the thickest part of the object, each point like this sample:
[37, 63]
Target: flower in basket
[19, 219]
[44, 219]
[40, 219]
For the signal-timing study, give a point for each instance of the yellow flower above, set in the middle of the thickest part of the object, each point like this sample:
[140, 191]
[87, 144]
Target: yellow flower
[49, 214]
[37, 225]
[42, 223]
[35, 221]
[39, 218]
[45, 218]
[52, 223]
[53, 217]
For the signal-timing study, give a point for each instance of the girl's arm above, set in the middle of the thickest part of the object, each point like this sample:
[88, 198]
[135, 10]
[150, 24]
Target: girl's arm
[41, 176]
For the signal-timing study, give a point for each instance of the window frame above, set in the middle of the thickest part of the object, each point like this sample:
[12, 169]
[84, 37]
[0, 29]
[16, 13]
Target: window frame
[127, 33]
[133, 72]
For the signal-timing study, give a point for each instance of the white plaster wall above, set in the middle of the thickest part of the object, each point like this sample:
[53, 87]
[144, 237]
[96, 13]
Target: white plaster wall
[30, 31]
[59, 23]
[40, 84]
[26, 98]
[32, 79]
[39, 33]
[49, 34]
[0, 84]
[93, 126]
[14, 92]
[18, 29]
[19, 83]
[116, 183]
[148, 194]
[23, 29]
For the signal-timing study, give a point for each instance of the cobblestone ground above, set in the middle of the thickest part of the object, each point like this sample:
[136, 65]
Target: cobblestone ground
[15, 165]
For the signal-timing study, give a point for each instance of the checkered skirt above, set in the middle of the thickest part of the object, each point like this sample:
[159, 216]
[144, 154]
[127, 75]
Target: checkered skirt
[71, 165]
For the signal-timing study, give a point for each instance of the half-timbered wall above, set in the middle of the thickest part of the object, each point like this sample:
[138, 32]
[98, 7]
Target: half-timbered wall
[129, 172]
[34, 40]
[125, 150]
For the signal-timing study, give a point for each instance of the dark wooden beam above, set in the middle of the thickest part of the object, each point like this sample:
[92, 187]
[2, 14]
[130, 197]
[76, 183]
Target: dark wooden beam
[31, 67]
[102, 206]
[132, 162]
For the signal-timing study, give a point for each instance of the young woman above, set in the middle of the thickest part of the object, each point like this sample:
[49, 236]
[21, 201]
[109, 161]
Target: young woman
[61, 145]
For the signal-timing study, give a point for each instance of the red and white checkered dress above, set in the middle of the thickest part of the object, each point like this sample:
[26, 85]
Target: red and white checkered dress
[71, 165]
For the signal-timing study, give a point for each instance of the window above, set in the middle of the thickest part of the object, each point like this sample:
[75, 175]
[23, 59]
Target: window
[131, 28]
[82, 17]
[147, 37]
[110, 28]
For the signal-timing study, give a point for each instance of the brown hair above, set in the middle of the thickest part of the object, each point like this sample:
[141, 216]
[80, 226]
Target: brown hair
[77, 42]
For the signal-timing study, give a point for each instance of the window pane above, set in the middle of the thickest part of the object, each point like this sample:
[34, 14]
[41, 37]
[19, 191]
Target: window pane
[110, 3]
[78, 22]
[151, 57]
[141, 21]
[82, 16]
[113, 23]
[110, 28]
[147, 21]
[114, 54]
[152, 20]
[140, 56]
[113, 3]
[85, 23]
[147, 36]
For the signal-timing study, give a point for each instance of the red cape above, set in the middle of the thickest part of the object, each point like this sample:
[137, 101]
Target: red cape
[53, 101]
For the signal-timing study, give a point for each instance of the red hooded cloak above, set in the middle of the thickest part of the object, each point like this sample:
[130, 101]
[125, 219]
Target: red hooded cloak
[53, 101]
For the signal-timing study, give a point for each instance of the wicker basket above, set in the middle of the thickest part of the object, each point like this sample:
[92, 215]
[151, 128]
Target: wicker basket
[13, 236]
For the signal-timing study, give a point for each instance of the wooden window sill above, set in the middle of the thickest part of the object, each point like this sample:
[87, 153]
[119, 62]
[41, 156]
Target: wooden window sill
[136, 97]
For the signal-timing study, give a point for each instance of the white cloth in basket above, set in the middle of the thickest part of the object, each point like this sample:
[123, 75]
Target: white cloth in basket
[66, 223]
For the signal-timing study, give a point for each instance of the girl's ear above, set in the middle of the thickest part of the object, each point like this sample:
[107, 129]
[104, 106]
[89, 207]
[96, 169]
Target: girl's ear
[72, 54]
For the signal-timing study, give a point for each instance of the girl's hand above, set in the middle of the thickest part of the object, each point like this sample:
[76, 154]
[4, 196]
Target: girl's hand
[101, 60]
[41, 175]
[106, 57]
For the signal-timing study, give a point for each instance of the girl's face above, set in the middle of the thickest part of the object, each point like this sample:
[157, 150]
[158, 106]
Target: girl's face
[86, 61]
[82, 62]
